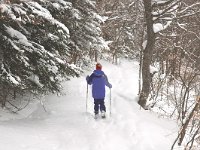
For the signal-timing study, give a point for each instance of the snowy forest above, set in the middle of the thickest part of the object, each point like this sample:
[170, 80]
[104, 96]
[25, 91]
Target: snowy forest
[46, 42]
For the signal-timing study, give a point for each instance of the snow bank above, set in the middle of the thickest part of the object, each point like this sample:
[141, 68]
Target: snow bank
[67, 126]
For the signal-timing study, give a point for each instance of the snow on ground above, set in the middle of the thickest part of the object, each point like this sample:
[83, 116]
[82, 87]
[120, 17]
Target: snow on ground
[67, 126]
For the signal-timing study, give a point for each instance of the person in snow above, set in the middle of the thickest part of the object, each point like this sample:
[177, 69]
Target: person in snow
[98, 80]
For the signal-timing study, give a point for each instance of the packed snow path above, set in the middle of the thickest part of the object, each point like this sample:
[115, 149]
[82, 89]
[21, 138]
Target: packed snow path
[67, 126]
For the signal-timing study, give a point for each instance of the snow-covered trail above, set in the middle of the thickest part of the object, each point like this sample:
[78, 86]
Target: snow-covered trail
[67, 126]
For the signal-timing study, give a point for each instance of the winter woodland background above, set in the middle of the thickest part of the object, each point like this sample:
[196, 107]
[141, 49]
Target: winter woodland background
[43, 42]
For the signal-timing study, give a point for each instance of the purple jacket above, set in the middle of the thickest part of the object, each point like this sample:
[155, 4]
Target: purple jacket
[98, 80]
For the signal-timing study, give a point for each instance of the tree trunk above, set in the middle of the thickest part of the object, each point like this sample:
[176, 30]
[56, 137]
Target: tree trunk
[1, 57]
[185, 125]
[141, 58]
[1, 84]
[147, 55]
[96, 56]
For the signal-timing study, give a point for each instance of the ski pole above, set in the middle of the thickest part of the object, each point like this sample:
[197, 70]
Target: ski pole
[86, 97]
[110, 102]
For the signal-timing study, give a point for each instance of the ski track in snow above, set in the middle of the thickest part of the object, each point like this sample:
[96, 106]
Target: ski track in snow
[67, 126]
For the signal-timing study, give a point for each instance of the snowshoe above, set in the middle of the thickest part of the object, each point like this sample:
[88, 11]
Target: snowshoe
[96, 116]
[103, 114]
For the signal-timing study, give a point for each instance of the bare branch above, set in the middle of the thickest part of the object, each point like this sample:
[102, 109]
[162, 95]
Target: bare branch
[166, 10]
[162, 4]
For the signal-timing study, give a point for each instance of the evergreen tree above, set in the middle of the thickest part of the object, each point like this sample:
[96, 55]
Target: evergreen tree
[40, 40]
